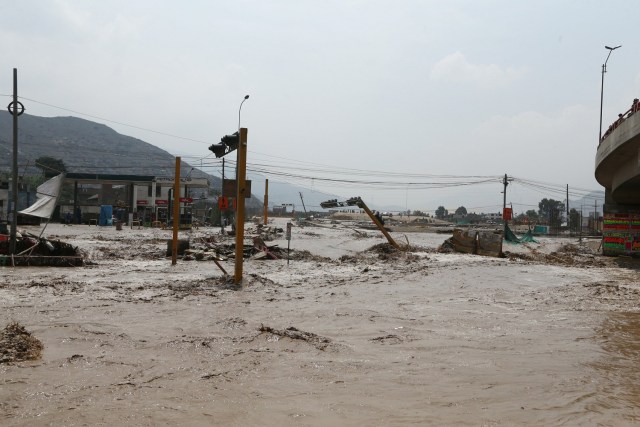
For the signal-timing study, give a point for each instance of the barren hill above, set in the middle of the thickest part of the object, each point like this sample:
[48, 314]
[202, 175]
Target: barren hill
[89, 147]
[84, 146]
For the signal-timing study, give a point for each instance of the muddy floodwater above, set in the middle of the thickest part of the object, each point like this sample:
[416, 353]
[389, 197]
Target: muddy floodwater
[345, 334]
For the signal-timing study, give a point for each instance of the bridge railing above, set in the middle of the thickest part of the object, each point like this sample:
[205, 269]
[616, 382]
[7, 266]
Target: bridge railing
[635, 107]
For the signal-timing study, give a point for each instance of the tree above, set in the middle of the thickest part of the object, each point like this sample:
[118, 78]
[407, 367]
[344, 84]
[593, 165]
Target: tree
[474, 218]
[50, 166]
[574, 220]
[531, 214]
[441, 212]
[551, 210]
[461, 211]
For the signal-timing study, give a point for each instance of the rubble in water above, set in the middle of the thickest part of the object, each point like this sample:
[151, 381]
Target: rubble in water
[18, 345]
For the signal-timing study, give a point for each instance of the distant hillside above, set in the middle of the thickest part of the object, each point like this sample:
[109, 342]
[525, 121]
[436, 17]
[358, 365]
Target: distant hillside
[88, 147]
[84, 146]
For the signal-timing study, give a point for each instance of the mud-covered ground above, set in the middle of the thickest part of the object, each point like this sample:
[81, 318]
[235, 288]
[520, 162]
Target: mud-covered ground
[347, 333]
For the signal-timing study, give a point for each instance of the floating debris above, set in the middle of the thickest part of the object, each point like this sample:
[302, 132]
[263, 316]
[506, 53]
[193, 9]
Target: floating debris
[295, 334]
[18, 345]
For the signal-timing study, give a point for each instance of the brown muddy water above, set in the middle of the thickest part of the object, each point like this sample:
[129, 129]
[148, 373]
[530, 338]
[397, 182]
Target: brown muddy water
[547, 336]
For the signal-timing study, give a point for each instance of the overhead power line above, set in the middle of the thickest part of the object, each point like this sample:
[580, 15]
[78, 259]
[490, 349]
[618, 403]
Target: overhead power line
[298, 170]
[558, 189]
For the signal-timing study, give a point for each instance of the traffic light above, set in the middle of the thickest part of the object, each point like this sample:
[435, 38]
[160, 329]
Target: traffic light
[354, 201]
[232, 141]
[333, 203]
[218, 149]
[228, 143]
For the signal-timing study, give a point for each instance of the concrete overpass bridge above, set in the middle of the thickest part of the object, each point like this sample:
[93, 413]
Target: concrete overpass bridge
[618, 161]
[617, 169]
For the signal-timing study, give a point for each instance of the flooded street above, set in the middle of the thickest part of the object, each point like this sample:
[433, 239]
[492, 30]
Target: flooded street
[343, 335]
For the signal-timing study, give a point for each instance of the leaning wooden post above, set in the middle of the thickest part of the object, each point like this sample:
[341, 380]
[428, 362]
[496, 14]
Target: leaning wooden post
[240, 195]
[363, 205]
[176, 213]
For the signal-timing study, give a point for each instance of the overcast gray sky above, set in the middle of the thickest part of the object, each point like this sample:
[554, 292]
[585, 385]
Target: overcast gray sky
[415, 88]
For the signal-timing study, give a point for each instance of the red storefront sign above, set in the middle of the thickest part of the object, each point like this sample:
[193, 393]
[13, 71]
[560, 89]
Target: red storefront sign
[186, 199]
[162, 202]
[142, 202]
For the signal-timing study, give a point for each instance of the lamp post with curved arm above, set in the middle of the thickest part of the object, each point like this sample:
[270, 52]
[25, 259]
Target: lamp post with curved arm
[604, 70]
[240, 109]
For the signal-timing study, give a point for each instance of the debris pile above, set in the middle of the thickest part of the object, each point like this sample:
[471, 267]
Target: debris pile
[261, 250]
[383, 248]
[34, 245]
[17, 344]
[32, 250]
[208, 249]
[385, 251]
[568, 255]
[473, 242]
[266, 233]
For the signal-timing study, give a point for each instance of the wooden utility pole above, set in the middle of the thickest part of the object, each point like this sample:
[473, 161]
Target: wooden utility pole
[266, 202]
[14, 171]
[568, 218]
[302, 200]
[222, 216]
[176, 213]
[504, 204]
[241, 166]
[362, 205]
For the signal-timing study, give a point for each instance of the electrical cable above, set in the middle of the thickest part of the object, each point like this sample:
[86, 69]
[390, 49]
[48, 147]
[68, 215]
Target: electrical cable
[332, 174]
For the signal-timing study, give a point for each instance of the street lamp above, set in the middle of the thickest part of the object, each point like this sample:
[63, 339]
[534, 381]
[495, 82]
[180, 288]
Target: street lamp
[604, 70]
[240, 109]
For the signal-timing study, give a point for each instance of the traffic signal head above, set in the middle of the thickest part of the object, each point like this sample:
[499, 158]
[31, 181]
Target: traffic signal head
[333, 203]
[354, 201]
[232, 141]
[227, 144]
[218, 149]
